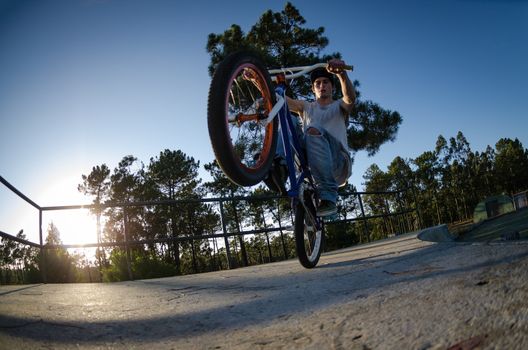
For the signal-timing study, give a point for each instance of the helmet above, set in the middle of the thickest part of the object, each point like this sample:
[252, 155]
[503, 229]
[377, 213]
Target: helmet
[321, 73]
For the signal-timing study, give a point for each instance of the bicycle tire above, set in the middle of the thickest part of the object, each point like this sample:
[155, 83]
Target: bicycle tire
[309, 240]
[244, 148]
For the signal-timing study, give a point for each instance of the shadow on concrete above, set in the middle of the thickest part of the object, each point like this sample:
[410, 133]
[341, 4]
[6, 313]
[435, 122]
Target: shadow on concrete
[18, 289]
[279, 296]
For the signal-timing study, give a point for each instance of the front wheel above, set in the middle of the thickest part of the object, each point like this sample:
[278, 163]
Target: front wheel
[309, 231]
[240, 99]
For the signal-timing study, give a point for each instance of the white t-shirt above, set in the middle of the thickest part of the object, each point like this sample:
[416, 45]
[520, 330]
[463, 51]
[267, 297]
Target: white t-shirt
[332, 118]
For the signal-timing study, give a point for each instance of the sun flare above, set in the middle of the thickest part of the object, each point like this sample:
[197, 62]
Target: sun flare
[76, 226]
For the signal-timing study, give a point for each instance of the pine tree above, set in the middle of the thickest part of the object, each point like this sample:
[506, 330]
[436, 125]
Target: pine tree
[282, 40]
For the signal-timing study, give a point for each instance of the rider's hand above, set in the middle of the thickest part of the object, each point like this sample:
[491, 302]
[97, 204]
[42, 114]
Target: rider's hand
[336, 66]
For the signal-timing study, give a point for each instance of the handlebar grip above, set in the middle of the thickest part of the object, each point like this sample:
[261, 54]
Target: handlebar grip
[345, 67]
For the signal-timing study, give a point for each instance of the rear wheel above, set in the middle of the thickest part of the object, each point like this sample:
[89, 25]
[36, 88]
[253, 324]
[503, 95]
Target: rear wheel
[240, 98]
[309, 231]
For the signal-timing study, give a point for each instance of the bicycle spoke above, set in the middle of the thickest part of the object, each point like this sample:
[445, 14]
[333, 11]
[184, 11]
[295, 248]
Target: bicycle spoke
[247, 134]
[240, 97]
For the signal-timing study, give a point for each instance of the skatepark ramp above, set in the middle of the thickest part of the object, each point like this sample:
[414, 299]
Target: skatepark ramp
[401, 292]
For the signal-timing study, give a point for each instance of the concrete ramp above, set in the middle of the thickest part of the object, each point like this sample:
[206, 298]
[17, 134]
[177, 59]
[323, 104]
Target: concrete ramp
[398, 293]
[438, 233]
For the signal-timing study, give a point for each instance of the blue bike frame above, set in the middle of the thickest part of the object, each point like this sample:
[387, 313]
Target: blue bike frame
[290, 140]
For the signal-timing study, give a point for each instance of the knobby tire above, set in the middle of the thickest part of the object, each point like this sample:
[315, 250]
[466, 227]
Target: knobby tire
[244, 150]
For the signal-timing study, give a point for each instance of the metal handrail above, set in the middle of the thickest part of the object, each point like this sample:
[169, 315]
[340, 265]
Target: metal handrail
[18, 193]
[225, 234]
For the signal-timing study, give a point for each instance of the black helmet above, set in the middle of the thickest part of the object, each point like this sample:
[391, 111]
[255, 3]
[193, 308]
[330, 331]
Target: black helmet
[321, 73]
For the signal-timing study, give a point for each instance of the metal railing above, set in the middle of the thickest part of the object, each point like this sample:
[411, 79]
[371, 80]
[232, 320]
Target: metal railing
[402, 223]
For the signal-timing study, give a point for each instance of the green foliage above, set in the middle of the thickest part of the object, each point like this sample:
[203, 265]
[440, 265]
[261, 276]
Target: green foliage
[232, 211]
[118, 268]
[174, 174]
[450, 180]
[280, 38]
[171, 176]
[511, 164]
[18, 263]
[281, 247]
[371, 127]
[60, 266]
[340, 235]
[143, 265]
[221, 186]
[446, 183]
[96, 184]
[151, 266]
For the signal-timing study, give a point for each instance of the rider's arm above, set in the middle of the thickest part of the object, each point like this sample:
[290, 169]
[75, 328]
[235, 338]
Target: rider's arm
[336, 66]
[296, 106]
[349, 93]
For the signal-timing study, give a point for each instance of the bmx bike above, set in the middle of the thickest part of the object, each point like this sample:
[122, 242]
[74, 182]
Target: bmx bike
[245, 116]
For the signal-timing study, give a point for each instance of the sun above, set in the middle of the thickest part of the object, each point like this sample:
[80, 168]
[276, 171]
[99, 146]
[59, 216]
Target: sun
[76, 226]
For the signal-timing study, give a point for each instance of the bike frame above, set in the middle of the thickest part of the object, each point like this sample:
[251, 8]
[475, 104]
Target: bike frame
[288, 133]
[292, 147]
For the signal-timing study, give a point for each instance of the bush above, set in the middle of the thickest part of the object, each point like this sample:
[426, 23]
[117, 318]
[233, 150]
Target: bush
[144, 265]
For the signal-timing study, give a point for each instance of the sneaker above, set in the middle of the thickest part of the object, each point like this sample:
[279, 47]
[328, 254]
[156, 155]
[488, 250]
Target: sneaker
[326, 208]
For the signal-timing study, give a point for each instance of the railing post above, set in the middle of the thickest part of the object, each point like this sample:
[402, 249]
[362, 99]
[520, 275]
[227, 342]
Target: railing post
[403, 221]
[364, 217]
[99, 250]
[267, 237]
[127, 248]
[193, 250]
[226, 238]
[240, 237]
[417, 208]
[280, 229]
[43, 252]
[215, 254]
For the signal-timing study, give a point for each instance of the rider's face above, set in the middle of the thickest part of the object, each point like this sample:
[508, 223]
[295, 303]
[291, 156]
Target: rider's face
[322, 87]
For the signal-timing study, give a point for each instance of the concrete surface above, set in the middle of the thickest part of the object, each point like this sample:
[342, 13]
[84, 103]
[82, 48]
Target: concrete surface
[436, 234]
[401, 293]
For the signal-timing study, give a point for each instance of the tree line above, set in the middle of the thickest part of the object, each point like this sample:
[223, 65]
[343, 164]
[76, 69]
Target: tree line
[170, 177]
[445, 184]
[452, 179]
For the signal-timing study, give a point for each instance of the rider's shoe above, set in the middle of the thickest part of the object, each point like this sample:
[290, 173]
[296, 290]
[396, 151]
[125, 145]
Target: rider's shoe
[326, 209]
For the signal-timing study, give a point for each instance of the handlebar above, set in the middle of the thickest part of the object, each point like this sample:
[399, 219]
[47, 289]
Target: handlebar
[302, 70]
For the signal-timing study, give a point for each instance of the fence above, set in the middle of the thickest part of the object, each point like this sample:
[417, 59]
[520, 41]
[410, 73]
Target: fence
[395, 217]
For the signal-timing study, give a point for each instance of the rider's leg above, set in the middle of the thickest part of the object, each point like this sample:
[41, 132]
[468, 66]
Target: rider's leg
[326, 160]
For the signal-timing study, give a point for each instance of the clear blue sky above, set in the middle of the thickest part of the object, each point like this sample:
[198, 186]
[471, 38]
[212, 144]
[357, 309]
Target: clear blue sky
[86, 82]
